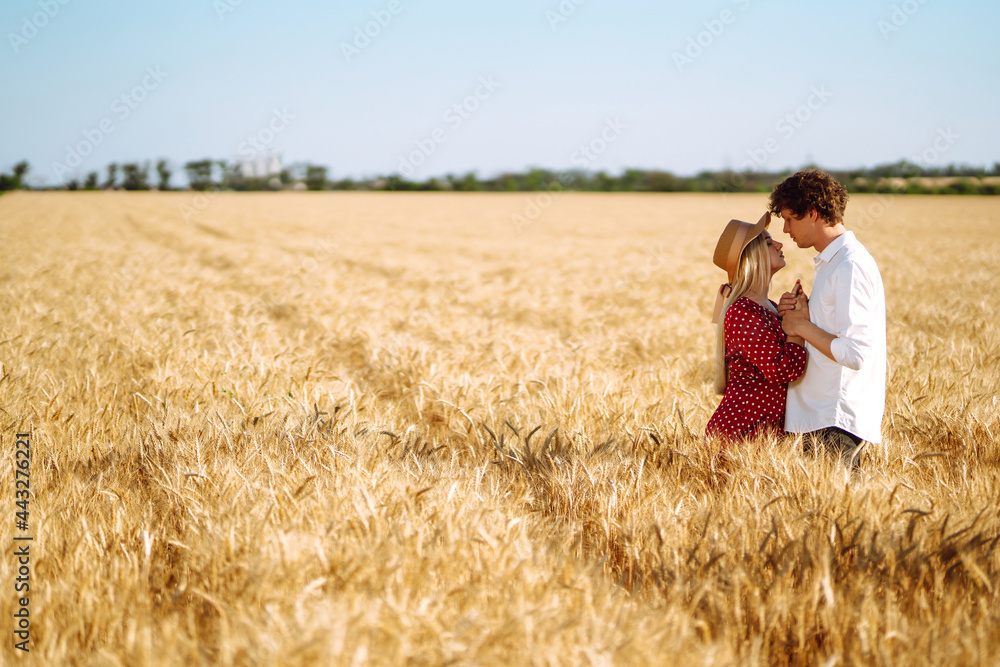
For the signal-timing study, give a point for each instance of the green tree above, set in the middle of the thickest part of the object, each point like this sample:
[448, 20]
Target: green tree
[164, 173]
[135, 176]
[112, 176]
[15, 181]
[315, 177]
[470, 182]
[963, 186]
[227, 173]
[660, 181]
[199, 173]
[91, 182]
[20, 171]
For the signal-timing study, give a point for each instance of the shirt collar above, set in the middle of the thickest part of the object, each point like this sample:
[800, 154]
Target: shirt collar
[831, 250]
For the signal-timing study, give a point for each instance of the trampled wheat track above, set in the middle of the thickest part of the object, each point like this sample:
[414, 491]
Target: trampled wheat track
[349, 427]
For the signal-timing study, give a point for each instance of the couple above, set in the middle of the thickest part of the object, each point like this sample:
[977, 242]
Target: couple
[811, 365]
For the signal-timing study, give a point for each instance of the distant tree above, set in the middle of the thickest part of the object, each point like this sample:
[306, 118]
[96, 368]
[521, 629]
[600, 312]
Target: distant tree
[631, 180]
[227, 173]
[660, 181]
[963, 186]
[15, 180]
[91, 182]
[536, 179]
[395, 183]
[73, 185]
[199, 174]
[468, 183]
[315, 177]
[164, 173]
[112, 176]
[135, 177]
[604, 182]
[20, 171]
[432, 185]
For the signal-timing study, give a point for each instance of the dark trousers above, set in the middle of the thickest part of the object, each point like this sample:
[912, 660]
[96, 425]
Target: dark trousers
[837, 442]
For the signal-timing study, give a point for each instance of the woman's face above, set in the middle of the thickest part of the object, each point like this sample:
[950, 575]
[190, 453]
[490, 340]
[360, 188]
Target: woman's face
[774, 252]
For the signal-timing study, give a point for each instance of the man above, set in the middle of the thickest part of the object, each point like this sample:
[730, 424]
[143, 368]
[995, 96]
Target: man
[840, 400]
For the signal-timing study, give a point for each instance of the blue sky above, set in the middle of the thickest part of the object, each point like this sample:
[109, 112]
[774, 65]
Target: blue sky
[669, 85]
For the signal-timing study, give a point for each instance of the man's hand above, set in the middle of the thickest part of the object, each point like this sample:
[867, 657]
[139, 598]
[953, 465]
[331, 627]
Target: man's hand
[796, 314]
[789, 300]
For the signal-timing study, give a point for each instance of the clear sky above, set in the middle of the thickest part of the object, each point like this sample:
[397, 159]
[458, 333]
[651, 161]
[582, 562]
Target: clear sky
[681, 86]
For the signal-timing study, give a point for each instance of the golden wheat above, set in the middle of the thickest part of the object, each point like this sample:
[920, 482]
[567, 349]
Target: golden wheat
[357, 428]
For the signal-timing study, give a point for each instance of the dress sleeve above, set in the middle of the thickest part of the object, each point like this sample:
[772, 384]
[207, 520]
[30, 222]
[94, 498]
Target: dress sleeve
[749, 333]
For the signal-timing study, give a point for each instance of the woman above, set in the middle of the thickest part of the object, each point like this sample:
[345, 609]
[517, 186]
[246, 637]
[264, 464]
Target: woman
[755, 361]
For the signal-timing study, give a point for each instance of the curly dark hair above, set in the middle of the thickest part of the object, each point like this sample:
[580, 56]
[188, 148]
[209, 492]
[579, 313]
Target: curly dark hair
[810, 189]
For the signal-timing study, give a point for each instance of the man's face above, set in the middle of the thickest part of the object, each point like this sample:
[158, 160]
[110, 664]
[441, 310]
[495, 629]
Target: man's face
[801, 229]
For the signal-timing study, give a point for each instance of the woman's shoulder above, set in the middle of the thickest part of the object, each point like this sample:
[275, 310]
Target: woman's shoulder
[744, 309]
[743, 306]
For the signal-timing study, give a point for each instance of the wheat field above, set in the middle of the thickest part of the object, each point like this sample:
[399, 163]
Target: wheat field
[387, 428]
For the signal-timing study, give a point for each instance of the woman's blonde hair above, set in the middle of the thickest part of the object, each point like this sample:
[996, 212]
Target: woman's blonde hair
[753, 274]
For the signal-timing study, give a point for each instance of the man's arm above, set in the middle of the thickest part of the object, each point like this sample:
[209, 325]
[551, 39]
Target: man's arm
[818, 338]
[852, 345]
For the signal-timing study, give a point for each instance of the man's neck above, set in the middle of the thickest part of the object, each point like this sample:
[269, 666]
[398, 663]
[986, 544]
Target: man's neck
[828, 235]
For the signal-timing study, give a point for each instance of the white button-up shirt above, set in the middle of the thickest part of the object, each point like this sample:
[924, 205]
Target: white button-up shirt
[848, 301]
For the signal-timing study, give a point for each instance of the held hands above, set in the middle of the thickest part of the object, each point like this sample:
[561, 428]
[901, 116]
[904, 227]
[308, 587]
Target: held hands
[794, 311]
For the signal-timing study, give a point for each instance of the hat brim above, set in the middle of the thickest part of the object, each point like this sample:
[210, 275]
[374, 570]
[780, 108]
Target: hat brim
[734, 239]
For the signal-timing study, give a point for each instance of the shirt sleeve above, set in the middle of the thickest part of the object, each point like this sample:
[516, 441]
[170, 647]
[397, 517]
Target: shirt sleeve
[749, 333]
[854, 314]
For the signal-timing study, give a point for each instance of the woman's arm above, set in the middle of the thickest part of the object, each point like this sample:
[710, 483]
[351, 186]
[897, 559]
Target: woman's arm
[748, 331]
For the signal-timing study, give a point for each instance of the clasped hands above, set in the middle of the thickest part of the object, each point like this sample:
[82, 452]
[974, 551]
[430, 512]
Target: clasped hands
[793, 309]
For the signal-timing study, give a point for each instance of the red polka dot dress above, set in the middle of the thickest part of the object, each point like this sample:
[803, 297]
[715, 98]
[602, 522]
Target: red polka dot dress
[761, 363]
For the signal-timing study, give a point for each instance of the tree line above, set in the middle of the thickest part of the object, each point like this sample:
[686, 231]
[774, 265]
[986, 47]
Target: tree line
[207, 174]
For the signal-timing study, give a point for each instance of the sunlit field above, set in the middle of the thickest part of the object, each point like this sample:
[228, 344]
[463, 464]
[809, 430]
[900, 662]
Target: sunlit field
[351, 428]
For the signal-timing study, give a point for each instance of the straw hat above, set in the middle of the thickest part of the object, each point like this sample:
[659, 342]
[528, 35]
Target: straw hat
[734, 239]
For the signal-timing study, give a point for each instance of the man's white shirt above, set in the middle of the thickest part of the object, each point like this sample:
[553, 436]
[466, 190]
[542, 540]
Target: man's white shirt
[848, 301]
